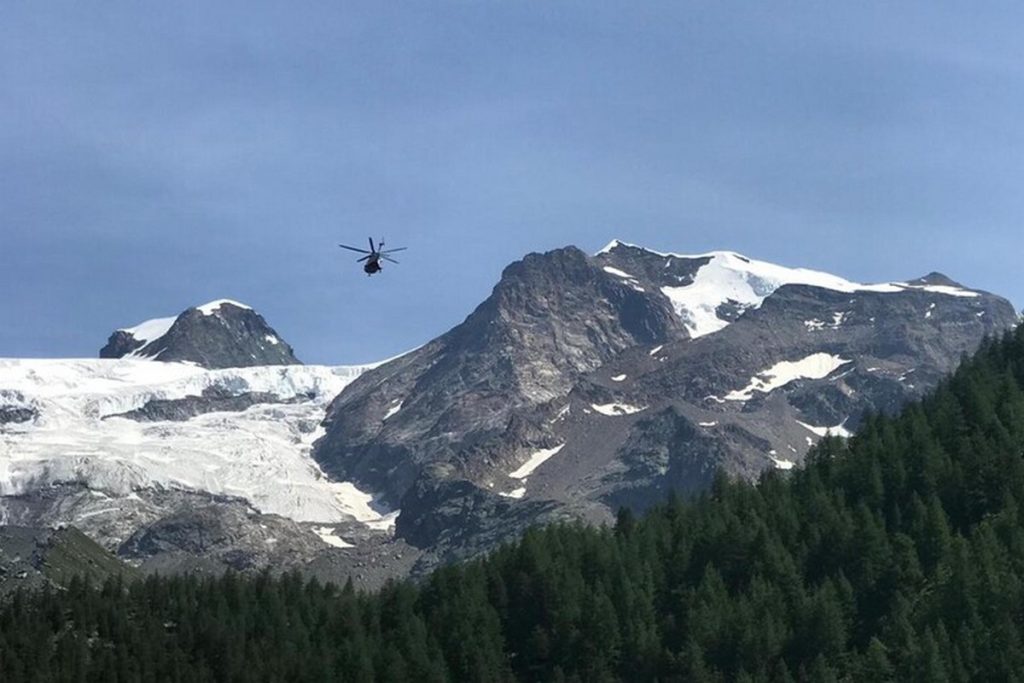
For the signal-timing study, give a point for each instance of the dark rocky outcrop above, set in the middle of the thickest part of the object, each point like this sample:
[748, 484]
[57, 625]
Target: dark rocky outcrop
[213, 399]
[218, 335]
[589, 354]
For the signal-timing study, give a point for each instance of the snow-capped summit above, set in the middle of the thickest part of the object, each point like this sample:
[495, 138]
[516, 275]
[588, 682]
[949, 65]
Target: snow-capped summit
[711, 290]
[218, 334]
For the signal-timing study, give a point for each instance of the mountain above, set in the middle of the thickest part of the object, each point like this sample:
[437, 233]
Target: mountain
[891, 556]
[219, 334]
[581, 384]
[176, 466]
[585, 383]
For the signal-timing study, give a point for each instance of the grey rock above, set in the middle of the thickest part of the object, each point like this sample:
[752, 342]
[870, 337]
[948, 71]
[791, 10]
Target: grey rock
[213, 399]
[229, 337]
[439, 429]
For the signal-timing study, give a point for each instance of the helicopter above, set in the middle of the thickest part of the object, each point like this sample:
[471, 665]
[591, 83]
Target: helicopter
[374, 256]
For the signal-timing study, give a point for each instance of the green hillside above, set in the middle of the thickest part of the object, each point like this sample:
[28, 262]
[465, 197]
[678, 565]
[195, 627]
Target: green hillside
[898, 555]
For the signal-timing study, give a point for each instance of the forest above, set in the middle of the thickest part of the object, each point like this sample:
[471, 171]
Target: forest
[897, 554]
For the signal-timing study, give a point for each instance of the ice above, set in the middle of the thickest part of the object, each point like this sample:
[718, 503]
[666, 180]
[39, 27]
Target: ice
[261, 454]
[326, 535]
[616, 409]
[393, 410]
[815, 366]
[618, 273]
[535, 461]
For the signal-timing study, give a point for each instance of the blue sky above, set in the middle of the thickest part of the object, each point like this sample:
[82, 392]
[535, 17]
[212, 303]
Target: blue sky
[155, 156]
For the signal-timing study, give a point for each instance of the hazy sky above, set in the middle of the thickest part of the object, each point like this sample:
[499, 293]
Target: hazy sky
[155, 156]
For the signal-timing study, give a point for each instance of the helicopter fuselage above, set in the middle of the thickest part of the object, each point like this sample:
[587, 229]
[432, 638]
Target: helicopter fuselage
[372, 266]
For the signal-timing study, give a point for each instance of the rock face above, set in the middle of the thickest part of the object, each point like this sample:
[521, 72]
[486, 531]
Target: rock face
[464, 400]
[585, 383]
[581, 384]
[220, 334]
[214, 399]
[36, 557]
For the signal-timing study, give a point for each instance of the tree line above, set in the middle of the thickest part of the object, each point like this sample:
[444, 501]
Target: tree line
[897, 554]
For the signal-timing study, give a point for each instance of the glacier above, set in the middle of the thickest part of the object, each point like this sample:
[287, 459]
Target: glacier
[261, 455]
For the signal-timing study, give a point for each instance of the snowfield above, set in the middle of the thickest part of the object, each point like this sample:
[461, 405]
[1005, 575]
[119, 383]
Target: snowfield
[261, 454]
[815, 366]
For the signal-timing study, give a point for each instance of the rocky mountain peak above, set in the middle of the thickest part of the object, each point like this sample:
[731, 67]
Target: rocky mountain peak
[218, 334]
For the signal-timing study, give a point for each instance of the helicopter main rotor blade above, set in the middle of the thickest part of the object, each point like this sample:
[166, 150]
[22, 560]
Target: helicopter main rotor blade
[373, 249]
[365, 258]
[388, 258]
[391, 251]
[361, 251]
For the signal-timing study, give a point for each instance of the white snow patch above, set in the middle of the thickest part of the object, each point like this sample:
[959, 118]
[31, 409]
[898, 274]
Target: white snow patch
[655, 350]
[814, 325]
[618, 378]
[326, 535]
[272, 339]
[393, 410]
[782, 464]
[149, 331]
[618, 273]
[514, 493]
[535, 461]
[943, 289]
[838, 430]
[707, 424]
[214, 306]
[616, 409]
[815, 366]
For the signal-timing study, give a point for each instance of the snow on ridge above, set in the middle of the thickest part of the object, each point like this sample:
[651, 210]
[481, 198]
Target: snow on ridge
[149, 331]
[729, 277]
[213, 306]
[535, 461]
[814, 366]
